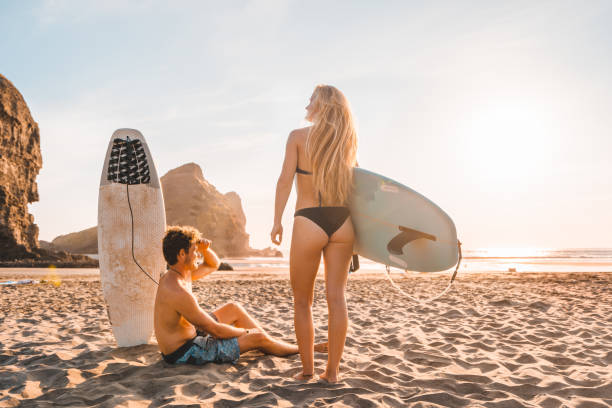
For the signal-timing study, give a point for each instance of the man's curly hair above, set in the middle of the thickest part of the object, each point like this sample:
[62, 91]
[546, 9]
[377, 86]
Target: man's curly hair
[177, 238]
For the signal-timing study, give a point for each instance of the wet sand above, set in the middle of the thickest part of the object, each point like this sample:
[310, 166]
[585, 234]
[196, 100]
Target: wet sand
[497, 340]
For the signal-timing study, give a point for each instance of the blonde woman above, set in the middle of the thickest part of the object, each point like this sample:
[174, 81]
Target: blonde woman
[323, 156]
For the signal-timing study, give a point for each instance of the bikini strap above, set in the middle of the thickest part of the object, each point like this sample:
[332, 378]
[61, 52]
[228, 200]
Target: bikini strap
[300, 171]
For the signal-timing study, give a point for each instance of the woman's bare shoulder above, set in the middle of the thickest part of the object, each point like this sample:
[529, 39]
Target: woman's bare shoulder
[300, 133]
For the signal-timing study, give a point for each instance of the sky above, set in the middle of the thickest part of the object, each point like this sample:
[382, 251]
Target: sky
[498, 111]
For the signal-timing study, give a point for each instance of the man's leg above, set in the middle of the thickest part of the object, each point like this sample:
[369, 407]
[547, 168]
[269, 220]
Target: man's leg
[263, 342]
[234, 314]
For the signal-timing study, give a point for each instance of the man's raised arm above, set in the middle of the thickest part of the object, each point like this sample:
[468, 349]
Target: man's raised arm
[211, 261]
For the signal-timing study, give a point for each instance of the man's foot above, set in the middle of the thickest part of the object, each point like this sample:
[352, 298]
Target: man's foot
[321, 347]
[304, 377]
[332, 379]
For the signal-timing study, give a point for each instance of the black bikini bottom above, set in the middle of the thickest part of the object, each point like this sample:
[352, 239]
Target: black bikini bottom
[328, 218]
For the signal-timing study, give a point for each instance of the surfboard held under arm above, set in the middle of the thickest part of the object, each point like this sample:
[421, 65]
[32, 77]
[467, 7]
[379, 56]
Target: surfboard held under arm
[396, 226]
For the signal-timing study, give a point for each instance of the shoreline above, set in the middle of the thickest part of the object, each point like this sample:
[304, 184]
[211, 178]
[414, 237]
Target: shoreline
[93, 274]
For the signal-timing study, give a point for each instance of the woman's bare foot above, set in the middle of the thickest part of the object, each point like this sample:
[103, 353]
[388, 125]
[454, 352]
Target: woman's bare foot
[321, 347]
[332, 379]
[304, 377]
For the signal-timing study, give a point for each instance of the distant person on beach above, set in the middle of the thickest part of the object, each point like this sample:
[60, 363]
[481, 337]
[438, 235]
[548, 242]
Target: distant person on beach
[186, 333]
[323, 156]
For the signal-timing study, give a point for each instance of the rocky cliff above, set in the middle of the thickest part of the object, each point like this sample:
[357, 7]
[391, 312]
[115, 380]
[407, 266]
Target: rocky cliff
[20, 162]
[190, 200]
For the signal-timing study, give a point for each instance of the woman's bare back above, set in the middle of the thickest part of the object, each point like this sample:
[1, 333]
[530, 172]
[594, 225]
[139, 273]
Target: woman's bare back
[306, 194]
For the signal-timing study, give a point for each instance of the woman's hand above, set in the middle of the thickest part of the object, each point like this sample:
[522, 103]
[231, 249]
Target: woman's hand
[277, 231]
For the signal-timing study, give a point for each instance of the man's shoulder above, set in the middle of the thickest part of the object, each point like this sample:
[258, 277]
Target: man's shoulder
[171, 288]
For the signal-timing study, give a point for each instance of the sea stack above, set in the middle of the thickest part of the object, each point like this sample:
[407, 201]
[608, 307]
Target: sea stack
[20, 162]
[191, 200]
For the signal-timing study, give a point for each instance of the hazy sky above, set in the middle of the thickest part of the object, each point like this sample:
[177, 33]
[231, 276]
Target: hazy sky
[498, 111]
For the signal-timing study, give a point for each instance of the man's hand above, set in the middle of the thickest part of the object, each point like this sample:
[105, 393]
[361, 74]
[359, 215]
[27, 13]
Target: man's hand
[277, 231]
[203, 245]
[211, 260]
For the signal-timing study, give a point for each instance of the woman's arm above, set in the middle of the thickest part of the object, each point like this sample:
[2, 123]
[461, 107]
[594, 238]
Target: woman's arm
[283, 187]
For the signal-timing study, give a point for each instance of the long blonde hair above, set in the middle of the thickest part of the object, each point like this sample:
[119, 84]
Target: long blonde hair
[332, 145]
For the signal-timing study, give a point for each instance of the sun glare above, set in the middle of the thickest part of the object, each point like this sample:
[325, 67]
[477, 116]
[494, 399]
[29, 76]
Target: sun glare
[511, 252]
[508, 142]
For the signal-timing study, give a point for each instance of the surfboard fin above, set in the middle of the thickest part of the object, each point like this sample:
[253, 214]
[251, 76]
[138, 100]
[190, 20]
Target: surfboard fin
[406, 236]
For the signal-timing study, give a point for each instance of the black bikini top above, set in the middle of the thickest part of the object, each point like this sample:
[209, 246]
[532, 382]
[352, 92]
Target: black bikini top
[300, 171]
[307, 173]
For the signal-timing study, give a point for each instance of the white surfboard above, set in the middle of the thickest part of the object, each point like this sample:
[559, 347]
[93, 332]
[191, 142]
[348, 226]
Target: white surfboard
[396, 226]
[128, 238]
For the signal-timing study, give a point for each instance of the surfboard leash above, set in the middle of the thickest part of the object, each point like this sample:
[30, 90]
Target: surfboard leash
[431, 299]
[127, 190]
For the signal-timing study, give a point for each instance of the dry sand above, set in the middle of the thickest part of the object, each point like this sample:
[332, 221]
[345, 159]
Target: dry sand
[502, 340]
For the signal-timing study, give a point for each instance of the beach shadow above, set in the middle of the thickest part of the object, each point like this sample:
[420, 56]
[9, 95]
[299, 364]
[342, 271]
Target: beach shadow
[113, 376]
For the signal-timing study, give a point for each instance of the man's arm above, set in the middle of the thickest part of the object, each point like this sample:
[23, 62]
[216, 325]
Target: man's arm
[211, 261]
[187, 306]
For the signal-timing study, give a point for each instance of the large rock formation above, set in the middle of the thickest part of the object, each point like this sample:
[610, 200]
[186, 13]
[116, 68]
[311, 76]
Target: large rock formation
[82, 242]
[233, 201]
[190, 200]
[20, 162]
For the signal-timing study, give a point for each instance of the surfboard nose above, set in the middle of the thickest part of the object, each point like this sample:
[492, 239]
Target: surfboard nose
[122, 133]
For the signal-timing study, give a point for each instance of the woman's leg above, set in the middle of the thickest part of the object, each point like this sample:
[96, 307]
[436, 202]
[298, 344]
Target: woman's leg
[306, 244]
[337, 256]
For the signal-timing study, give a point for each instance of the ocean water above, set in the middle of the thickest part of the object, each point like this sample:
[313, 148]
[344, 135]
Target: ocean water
[474, 261]
[487, 260]
[539, 260]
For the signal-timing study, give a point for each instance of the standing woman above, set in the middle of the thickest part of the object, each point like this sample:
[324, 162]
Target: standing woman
[323, 156]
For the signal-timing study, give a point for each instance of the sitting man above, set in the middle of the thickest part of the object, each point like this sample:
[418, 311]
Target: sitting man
[186, 333]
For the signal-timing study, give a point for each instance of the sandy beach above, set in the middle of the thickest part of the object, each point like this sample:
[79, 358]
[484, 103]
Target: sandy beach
[496, 340]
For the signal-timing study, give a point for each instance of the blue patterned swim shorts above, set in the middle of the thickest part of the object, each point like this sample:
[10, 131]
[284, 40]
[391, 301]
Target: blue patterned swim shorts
[205, 349]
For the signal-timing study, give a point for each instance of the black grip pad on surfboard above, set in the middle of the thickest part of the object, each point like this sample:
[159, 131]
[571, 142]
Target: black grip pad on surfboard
[128, 163]
[406, 236]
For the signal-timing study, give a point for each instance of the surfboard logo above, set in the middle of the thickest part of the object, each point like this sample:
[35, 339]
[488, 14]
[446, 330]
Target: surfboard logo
[406, 236]
[389, 188]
